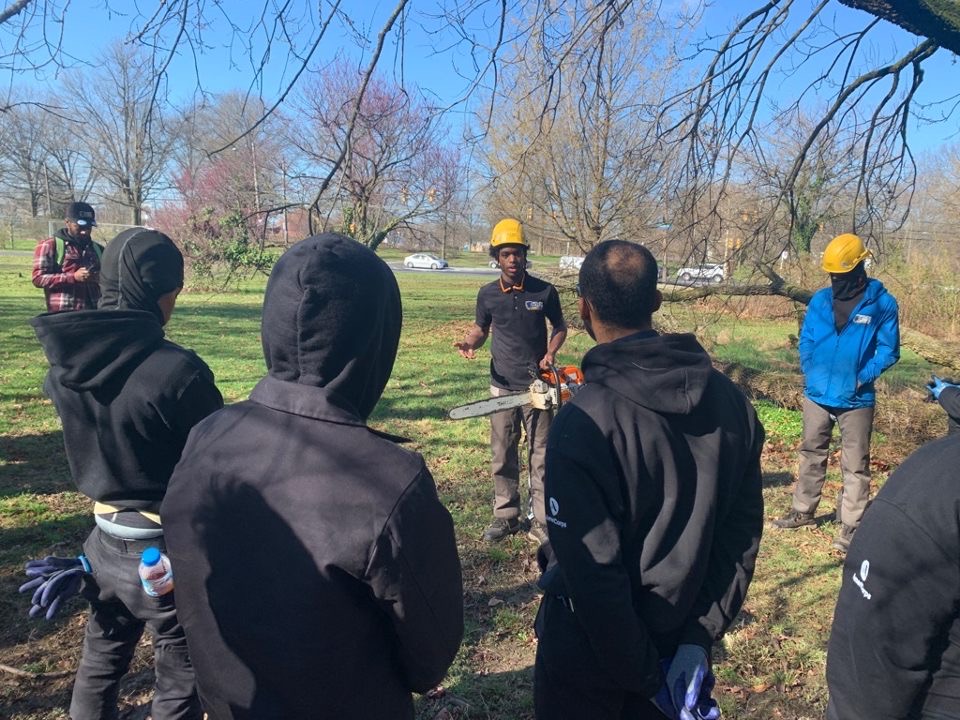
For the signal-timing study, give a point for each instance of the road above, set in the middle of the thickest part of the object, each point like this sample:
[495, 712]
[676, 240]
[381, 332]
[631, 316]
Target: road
[397, 266]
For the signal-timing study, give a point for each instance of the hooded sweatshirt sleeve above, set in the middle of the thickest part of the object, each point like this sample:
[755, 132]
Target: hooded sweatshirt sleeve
[901, 584]
[199, 398]
[950, 402]
[733, 554]
[585, 537]
[415, 576]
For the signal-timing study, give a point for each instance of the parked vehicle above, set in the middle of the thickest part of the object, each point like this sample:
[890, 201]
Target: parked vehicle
[571, 262]
[494, 264]
[427, 261]
[701, 273]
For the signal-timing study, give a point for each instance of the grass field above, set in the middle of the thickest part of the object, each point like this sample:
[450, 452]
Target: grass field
[770, 665]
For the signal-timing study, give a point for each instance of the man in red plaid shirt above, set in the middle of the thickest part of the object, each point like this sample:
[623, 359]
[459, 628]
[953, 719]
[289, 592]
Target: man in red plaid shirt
[67, 265]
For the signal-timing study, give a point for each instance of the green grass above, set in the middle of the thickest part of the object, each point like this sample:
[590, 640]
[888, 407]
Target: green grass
[770, 664]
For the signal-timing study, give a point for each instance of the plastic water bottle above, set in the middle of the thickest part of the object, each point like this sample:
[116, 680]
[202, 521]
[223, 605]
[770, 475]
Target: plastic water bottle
[156, 574]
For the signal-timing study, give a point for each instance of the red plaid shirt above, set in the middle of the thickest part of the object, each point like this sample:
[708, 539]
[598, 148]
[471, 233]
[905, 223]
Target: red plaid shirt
[62, 290]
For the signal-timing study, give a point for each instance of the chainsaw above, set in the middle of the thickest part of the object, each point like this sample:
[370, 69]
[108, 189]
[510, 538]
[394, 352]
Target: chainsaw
[549, 391]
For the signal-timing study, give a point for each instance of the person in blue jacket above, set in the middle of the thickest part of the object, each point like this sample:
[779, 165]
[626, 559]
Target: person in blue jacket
[850, 335]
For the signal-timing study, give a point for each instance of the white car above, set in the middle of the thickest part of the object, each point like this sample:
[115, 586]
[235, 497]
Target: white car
[495, 265]
[701, 273]
[571, 262]
[427, 261]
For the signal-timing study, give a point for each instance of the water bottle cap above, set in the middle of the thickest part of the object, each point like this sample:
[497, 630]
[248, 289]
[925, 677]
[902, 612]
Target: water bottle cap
[151, 556]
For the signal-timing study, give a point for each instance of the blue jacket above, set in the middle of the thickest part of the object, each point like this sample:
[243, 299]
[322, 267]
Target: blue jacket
[840, 367]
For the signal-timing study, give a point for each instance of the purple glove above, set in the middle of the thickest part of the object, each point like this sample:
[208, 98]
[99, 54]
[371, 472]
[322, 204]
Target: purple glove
[55, 580]
[690, 682]
[707, 708]
[662, 699]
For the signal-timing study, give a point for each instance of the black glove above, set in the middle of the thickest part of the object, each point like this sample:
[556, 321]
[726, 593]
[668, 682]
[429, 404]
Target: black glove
[55, 580]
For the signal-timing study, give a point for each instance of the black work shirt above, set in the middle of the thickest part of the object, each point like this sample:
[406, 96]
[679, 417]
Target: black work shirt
[518, 317]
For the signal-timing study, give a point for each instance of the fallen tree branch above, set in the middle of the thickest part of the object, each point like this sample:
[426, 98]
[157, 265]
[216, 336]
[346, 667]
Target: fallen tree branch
[35, 675]
[677, 293]
[937, 352]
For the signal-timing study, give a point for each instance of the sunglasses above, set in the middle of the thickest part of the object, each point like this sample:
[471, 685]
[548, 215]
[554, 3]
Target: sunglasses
[576, 290]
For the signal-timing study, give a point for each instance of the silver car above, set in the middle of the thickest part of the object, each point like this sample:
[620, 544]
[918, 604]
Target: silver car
[427, 261]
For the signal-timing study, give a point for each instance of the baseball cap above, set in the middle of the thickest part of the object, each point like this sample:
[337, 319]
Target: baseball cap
[81, 213]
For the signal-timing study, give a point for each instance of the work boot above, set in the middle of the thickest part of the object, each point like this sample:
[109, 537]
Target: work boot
[794, 519]
[500, 528]
[538, 532]
[842, 541]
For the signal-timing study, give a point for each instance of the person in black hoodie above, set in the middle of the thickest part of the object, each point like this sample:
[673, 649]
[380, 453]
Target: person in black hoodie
[317, 567]
[894, 651]
[654, 511]
[127, 398]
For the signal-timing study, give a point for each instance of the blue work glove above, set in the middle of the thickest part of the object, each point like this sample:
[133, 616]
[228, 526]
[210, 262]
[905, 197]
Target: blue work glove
[690, 683]
[936, 386]
[55, 580]
[707, 708]
[662, 699]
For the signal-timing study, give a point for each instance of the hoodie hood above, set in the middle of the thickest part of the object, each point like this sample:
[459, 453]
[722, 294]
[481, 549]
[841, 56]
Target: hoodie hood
[90, 349]
[138, 267]
[665, 373]
[331, 320]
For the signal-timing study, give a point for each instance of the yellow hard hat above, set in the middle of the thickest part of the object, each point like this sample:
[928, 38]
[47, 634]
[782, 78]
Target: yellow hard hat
[844, 253]
[507, 232]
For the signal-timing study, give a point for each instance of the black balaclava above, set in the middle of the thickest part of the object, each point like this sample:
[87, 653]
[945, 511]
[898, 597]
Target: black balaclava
[138, 267]
[847, 291]
[331, 319]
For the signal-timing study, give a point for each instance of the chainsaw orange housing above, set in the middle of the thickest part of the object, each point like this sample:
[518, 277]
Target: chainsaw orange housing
[569, 375]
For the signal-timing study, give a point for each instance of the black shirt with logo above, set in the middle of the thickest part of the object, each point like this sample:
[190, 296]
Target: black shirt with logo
[518, 316]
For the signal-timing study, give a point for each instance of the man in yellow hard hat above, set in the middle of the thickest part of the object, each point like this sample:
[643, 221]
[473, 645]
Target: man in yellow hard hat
[516, 308]
[850, 335]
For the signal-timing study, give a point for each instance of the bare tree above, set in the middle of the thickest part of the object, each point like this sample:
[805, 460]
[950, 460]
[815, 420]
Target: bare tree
[716, 119]
[23, 158]
[722, 119]
[122, 127]
[383, 156]
[593, 166]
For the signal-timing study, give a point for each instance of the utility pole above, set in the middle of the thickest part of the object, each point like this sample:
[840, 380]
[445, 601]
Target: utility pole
[46, 182]
[283, 181]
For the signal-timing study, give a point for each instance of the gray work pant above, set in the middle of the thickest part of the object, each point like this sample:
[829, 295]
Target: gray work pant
[856, 425]
[504, 443]
[119, 612]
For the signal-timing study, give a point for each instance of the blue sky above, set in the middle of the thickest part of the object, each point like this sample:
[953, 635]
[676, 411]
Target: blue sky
[90, 27]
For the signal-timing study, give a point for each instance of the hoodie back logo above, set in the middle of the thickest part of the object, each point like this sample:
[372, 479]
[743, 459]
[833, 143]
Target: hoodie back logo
[860, 581]
[554, 509]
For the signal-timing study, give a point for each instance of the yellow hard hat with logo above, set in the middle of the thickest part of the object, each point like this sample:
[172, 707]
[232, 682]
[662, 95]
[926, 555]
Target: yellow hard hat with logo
[844, 253]
[507, 232]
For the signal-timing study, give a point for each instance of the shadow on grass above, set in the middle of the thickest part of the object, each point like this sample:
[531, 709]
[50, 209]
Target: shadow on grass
[33, 464]
[38, 699]
[777, 479]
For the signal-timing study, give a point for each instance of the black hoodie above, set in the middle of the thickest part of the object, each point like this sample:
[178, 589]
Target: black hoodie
[126, 396]
[654, 504]
[317, 571]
